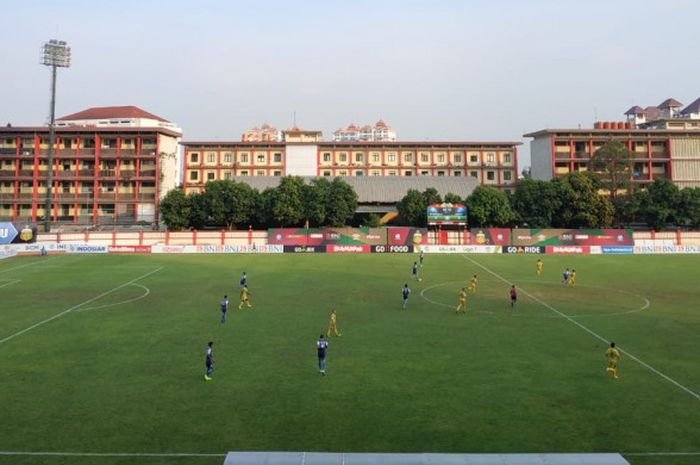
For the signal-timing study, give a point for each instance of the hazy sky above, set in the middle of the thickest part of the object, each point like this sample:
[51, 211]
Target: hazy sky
[434, 70]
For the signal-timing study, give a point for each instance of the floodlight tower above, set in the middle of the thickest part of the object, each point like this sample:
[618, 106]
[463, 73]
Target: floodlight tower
[56, 54]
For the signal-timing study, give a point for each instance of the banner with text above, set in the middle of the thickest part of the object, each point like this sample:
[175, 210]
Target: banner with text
[326, 236]
[407, 236]
[17, 233]
[572, 237]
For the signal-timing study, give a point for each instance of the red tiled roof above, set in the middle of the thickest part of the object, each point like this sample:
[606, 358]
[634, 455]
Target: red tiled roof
[652, 113]
[635, 110]
[692, 108]
[670, 103]
[86, 130]
[129, 111]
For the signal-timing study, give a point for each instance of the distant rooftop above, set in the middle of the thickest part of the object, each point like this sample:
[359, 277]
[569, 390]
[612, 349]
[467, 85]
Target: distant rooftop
[128, 111]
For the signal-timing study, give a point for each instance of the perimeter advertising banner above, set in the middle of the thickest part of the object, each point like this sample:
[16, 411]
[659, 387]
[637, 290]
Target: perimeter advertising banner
[326, 236]
[407, 236]
[17, 233]
[488, 236]
[580, 237]
[447, 213]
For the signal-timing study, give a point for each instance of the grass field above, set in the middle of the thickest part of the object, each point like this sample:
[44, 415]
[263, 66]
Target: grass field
[120, 367]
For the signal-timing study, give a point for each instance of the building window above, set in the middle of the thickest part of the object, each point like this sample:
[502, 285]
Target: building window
[424, 157]
[194, 158]
[424, 173]
[261, 158]
[392, 157]
[358, 157]
[489, 157]
[343, 157]
[458, 173]
[244, 158]
[194, 175]
[228, 157]
[375, 157]
[407, 173]
[244, 173]
[358, 173]
[327, 173]
[392, 173]
[211, 158]
[441, 158]
[474, 158]
[277, 157]
[507, 175]
[342, 173]
[376, 173]
[210, 176]
[260, 173]
[473, 174]
[326, 156]
[408, 157]
[227, 175]
[277, 173]
[506, 158]
[440, 173]
[458, 158]
[490, 175]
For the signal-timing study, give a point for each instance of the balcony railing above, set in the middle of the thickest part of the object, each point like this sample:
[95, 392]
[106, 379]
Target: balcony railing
[107, 173]
[8, 151]
[7, 173]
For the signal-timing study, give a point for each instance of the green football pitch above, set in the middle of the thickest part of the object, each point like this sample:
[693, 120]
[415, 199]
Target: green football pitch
[105, 355]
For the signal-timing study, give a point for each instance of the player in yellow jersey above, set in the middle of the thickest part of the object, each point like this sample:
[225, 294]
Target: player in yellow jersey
[245, 297]
[613, 356]
[472, 285]
[539, 266]
[332, 328]
[462, 301]
[572, 278]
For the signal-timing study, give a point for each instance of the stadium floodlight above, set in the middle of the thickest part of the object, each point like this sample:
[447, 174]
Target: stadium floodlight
[56, 54]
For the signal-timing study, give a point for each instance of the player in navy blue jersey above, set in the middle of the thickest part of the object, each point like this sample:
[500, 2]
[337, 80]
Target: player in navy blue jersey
[224, 308]
[414, 272]
[244, 280]
[405, 292]
[209, 361]
[321, 347]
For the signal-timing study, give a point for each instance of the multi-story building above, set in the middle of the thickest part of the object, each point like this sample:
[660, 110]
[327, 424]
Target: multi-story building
[101, 175]
[669, 109]
[264, 133]
[668, 152]
[117, 117]
[490, 163]
[379, 132]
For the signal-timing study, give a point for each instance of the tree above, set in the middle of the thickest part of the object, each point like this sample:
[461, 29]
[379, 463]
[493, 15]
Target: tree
[431, 196]
[453, 198]
[412, 208]
[581, 204]
[373, 221]
[689, 207]
[341, 203]
[199, 216]
[315, 198]
[489, 207]
[287, 206]
[658, 204]
[230, 204]
[175, 209]
[612, 164]
[535, 203]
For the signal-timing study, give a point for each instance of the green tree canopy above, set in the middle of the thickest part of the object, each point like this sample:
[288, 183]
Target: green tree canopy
[581, 204]
[175, 209]
[287, 205]
[341, 203]
[612, 165]
[535, 203]
[489, 207]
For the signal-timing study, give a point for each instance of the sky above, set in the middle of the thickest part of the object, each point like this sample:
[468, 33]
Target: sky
[433, 70]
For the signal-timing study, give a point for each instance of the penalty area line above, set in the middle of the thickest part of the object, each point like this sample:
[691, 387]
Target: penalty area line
[587, 329]
[111, 454]
[75, 307]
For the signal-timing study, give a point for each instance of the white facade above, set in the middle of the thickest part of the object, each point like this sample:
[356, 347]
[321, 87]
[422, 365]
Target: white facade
[122, 123]
[301, 160]
[541, 158]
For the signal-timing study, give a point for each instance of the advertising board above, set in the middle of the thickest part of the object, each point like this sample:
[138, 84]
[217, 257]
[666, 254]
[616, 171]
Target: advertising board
[325, 236]
[407, 236]
[567, 249]
[617, 249]
[459, 248]
[523, 249]
[304, 249]
[348, 248]
[572, 237]
[670, 249]
[17, 233]
[86, 248]
[392, 248]
[129, 249]
[276, 248]
[489, 236]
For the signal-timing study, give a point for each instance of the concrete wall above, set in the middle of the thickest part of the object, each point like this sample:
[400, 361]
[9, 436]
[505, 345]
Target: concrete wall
[301, 160]
[685, 155]
[541, 158]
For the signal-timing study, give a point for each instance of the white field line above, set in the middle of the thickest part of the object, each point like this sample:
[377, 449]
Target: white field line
[10, 283]
[588, 330]
[661, 454]
[21, 266]
[128, 301]
[110, 454]
[58, 315]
